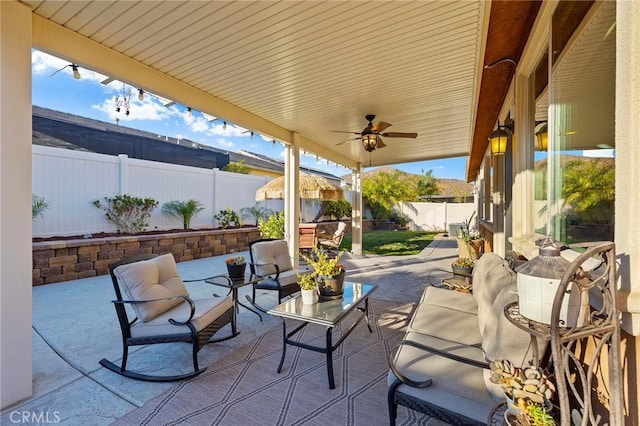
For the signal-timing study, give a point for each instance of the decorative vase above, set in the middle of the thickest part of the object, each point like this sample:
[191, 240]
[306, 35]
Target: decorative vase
[309, 297]
[236, 271]
[331, 287]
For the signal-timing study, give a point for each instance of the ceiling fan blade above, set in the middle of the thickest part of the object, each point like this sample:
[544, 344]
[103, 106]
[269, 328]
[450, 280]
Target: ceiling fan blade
[343, 131]
[380, 126]
[400, 135]
[348, 140]
[380, 143]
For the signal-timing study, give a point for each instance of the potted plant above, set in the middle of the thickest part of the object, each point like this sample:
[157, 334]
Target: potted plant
[308, 288]
[236, 266]
[528, 392]
[463, 267]
[470, 242]
[329, 273]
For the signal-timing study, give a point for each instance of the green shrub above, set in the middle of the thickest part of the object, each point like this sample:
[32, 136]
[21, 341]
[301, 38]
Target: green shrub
[184, 211]
[273, 227]
[128, 213]
[336, 209]
[227, 219]
[399, 218]
[38, 206]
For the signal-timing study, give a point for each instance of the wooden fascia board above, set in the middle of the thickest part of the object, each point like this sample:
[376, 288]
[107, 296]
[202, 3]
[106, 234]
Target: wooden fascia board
[509, 28]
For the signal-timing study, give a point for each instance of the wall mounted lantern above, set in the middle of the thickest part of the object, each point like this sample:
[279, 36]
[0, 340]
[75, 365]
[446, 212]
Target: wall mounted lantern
[498, 138]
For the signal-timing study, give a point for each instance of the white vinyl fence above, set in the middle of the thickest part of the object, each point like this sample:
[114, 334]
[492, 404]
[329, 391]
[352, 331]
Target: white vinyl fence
[70, 180]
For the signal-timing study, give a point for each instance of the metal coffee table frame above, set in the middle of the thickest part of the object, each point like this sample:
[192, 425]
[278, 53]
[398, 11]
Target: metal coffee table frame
[328, 314]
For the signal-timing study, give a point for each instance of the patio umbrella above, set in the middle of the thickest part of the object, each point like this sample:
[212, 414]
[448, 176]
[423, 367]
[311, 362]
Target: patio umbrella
[312, 187]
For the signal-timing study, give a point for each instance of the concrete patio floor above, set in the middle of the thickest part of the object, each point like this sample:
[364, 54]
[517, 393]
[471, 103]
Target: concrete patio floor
[74, 326]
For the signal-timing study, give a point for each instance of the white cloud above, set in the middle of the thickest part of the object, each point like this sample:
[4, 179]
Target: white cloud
[147, 109]
[600, 153]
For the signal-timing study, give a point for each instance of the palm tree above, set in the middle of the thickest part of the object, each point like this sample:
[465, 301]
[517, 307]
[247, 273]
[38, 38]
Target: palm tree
[256, 212]
[182, 210]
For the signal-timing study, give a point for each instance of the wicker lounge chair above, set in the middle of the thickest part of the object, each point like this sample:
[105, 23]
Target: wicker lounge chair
[163, 310]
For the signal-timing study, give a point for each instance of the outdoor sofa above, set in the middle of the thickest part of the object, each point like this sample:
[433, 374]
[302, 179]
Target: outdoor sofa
[441, 366]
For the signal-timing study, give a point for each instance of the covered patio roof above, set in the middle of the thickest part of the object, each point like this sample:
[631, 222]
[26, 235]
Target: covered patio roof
[279, 68]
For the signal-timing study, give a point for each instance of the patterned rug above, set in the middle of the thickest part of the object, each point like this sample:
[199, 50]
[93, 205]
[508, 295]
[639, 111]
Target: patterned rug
[245, 389]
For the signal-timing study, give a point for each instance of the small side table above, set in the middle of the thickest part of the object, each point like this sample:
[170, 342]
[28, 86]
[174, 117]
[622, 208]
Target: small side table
[233, 284]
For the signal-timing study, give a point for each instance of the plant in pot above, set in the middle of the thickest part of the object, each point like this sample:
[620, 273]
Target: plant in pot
[308, 288]
[328, 271]
[236, 266]
[470, 242]
[528, 392]
[463, 267]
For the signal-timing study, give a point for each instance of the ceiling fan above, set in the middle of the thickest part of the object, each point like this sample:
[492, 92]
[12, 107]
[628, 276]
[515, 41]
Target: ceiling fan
[370, 135]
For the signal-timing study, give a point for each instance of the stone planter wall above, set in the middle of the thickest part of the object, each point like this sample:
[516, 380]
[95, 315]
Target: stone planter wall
[65, 260]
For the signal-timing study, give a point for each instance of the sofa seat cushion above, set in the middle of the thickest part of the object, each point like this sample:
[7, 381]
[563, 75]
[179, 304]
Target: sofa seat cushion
[207, 311]
[151, 279]
[446, 323]
[269, 253]
[455, 386]
[446, 298]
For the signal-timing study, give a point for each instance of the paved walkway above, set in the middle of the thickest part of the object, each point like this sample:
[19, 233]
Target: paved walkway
[74, 326]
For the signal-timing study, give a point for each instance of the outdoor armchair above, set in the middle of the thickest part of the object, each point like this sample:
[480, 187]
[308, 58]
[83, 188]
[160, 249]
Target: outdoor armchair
[162, 311]
[336, 239]
[271, 261]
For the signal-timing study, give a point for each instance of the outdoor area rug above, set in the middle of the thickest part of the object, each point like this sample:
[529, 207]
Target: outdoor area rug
[245, 389]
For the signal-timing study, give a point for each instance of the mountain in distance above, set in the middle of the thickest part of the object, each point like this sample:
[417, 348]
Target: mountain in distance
[452, 187]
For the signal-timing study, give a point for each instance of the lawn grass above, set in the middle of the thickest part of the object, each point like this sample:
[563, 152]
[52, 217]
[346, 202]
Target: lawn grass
[391, 243]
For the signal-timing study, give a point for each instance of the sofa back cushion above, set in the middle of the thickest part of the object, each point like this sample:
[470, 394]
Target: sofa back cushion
[491, 275]
[268, 253]
[157, 278]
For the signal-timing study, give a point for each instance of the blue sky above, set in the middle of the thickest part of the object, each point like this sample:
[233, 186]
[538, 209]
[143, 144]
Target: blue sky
[88, 97]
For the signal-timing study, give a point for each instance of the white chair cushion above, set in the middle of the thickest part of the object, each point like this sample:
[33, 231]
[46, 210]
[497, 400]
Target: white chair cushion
[156, 278]
[207, 311]
[269, 253]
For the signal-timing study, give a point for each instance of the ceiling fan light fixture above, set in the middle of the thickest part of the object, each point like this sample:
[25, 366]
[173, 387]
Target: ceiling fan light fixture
[369, 142]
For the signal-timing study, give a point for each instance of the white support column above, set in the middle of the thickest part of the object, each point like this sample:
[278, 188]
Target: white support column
[356, 213]
[627, 122]
[292, 197]
[15, 200]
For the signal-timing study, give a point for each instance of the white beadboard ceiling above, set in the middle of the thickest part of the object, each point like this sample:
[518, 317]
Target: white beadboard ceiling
[278, 67]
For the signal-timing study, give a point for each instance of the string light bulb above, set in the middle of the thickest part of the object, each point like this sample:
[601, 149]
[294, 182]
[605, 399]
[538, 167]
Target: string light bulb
[224, 125]
[189, 113]
[140, 95]
[76, 73]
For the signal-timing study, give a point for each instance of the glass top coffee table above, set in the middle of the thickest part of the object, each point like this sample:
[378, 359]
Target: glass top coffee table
[325, 313]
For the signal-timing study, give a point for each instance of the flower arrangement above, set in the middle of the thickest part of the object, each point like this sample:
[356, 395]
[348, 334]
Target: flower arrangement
[323, 264]
[307, 281]
[236, 260]
[530, 389]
